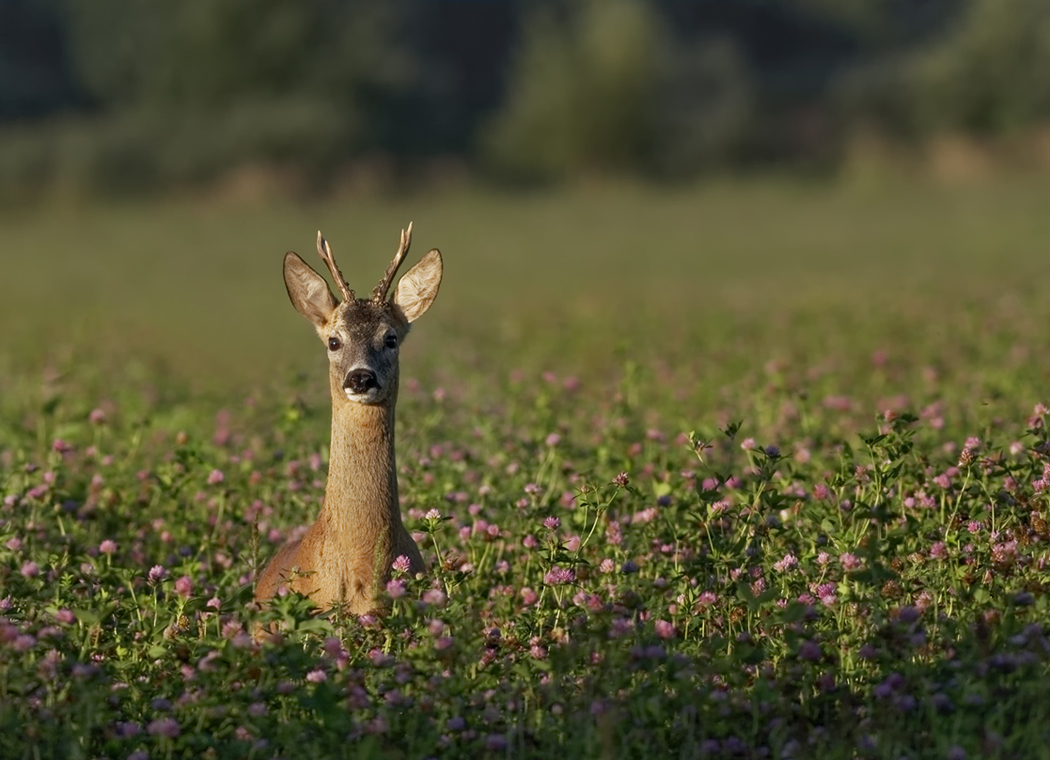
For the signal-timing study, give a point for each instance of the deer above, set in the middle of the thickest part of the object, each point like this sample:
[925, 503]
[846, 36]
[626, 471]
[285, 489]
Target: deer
[344, 559]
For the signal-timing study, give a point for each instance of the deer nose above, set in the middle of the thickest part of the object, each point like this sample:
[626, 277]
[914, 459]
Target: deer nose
[361, 380]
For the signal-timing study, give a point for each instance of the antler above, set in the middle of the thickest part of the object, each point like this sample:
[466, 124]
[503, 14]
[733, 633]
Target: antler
[379, 294]
[326, 255]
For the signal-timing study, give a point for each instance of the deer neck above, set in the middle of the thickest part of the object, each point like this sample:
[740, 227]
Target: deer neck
[361, 505]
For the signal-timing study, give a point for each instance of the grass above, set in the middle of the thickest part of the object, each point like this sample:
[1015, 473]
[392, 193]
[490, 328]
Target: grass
[199, 283]
[829, 540]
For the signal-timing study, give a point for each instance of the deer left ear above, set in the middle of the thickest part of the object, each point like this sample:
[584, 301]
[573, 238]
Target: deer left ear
[419, 287]
[308, 291]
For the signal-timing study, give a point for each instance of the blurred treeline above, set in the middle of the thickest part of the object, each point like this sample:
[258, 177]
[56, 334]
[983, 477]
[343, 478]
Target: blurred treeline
[132, 96]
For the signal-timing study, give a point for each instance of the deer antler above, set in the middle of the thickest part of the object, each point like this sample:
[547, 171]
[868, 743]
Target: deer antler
[379, 294]
[326, 255]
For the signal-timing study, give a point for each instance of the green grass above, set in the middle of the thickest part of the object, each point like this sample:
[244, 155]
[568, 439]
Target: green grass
[200, 282]
[866, 333]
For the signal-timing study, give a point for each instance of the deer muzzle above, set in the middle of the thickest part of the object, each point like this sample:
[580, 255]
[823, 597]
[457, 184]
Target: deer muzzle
[360, 381]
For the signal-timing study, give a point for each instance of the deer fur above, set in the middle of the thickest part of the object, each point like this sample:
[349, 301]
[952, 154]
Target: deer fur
[345, 557]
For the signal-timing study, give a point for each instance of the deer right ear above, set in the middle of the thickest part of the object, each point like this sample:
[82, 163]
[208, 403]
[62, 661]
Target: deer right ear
[418, 289]
[308, 291]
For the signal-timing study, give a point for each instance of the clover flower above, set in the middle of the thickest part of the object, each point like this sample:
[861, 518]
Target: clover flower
[559, 575]
[434, 596]
[665, 629]
[184, 586]
[167, 727]
[157, 573]
[849, 561]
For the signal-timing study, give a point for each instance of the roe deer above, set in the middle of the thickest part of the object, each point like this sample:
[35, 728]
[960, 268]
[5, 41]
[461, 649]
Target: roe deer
[345, 557]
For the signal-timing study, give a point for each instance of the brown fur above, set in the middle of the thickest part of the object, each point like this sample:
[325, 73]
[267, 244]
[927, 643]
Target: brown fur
[345, 557]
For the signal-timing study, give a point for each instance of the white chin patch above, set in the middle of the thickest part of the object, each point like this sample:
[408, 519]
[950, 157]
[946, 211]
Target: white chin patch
[359, 398]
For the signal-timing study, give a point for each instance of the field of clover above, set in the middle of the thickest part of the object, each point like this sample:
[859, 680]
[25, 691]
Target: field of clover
[796, 521]
[850, 588]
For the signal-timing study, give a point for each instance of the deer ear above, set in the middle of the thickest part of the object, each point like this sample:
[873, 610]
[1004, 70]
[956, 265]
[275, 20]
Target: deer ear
[308, 291]
[419, 287]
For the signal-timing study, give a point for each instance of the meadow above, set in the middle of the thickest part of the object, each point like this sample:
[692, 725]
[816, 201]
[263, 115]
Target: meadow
[758, 469]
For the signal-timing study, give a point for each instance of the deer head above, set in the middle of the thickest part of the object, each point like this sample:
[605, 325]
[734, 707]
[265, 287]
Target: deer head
[363, 335]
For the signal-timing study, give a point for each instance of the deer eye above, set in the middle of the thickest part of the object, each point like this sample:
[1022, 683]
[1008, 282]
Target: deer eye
[334, 344]
[391, 341]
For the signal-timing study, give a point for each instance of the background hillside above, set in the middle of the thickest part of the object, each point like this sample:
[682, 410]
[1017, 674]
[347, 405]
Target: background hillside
[120, 97]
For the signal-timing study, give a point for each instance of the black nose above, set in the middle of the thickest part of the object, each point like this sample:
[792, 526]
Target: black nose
[361, 380]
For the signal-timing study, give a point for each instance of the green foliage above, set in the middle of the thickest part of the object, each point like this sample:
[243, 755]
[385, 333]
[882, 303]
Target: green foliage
[705, 111]
[808, 520]
[202, 55]
[580, 95]
[882, 26]
[984, 74]
[600, 87]
[991, 74]
[186, 91]
[145, 149]
[121, 97]
[867, 589]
